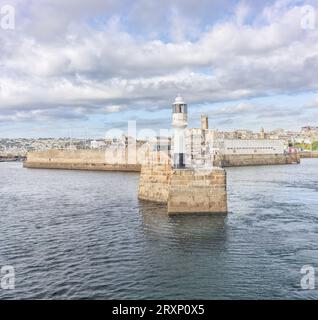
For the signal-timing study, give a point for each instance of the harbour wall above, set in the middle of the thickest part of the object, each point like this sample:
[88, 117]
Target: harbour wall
[83, 166]
[99, 160]
[311, 154]
[256, 159]
[123, 160]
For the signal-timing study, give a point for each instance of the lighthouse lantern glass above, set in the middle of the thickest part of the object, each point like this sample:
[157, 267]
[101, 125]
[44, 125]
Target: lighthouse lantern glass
[180, 108]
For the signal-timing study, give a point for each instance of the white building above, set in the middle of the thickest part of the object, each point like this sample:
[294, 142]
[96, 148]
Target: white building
[251, 146]
[98, 144]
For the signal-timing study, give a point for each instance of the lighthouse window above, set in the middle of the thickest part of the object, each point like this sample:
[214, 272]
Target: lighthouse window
[177, 108]
[180, 108]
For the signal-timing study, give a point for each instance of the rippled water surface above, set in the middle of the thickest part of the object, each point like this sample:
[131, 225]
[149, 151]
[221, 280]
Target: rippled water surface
[77, 234]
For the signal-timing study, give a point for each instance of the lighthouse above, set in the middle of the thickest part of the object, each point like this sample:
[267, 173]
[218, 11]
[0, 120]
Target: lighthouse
[185, 188]
[179, 124]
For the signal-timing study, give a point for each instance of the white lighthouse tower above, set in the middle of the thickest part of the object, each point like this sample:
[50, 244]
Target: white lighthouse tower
[179, 124]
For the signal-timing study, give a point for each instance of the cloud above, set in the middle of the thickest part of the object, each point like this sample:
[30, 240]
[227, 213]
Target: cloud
[42, 115]
[313, 104]
[232, 110]
[256, 114]
[106, 57]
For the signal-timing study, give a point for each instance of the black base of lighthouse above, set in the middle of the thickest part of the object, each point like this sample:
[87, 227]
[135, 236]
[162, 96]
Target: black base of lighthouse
[179, 161]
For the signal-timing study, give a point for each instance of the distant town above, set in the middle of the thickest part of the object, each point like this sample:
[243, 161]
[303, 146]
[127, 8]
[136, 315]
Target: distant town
[17, 148]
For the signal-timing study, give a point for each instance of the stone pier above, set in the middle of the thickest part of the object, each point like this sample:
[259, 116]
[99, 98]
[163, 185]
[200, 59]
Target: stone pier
[197, 191]
[154, 182]
[184, 190]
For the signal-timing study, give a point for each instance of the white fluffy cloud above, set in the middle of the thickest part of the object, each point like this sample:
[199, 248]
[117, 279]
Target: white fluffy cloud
[73, 58]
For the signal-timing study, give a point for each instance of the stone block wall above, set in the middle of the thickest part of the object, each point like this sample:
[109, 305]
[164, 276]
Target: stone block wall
[104, 160]
[192, 191]
[66, 156]
[97, 160]
[184, 190]
[255, 159]
[111, 159]
[83, 166]
[312, 154]
[154, 182]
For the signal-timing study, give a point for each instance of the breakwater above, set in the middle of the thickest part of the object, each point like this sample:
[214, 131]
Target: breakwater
[311, 154]
[256, 159]
[83, 166]
[122, 160]
[96, 160]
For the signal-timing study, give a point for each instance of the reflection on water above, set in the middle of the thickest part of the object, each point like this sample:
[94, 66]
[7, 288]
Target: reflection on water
[77, 234]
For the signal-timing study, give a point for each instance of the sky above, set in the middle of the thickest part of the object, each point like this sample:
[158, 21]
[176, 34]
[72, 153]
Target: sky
[81, 68]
